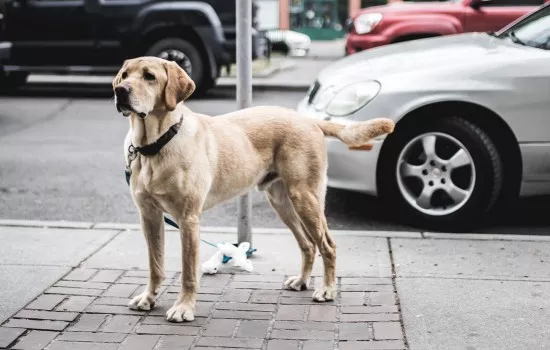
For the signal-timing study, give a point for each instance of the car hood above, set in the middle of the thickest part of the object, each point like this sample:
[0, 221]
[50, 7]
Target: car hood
[449, 55]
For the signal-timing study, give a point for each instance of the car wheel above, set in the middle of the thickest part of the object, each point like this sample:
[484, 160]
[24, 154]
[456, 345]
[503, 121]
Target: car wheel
[187, 57]
[444, 175]
[12, 80]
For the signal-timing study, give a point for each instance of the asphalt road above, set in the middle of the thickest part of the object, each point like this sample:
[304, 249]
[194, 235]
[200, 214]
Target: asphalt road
[61, 159]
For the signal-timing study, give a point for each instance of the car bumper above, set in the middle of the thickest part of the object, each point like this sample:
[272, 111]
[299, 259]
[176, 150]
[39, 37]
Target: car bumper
[349, 170]
[356, 43]
[5, 50]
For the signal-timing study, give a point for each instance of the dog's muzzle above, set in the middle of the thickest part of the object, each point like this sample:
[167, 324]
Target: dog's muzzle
[123, 104]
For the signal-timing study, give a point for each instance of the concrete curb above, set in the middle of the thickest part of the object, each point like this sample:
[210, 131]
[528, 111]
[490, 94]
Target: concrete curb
[279, 231]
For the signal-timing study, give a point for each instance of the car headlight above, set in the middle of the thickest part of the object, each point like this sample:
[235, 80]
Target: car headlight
[352, 97]
[323, 98]
[366, 22]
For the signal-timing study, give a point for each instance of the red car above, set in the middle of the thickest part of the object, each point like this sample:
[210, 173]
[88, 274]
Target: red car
[382, 25]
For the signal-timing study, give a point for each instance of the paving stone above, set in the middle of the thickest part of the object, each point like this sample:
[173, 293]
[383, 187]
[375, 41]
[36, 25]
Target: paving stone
[73, 291]
[368, 288]
[179, 329]
[80, 284]
[240, 296]
[8, 335]
[92, 337]
[220, 328]
[368, 317]
[265, 296]
[210, 290]
[35, 340]
[245, 343]
[140, 342]
[381, 298]
[277, 344]
[300, 301]
[46, 315]
[245, 315]
[173, 342]
[297, 294]
[121, 290]
[198, 321]
[291, 313]
[352, 298]
[112, 301]
[144, 273]
[302, 334]
[218, 280]
[203, 309]
[252, 329]
[113, 309]
[46, 302]
[88, 323]
[75, 303]
[207, 297]
[318, 345]
[245, 307]
[37, 324]
[387, 330]
[121, 324]
[372, 345]
[107, 276]
[257, 285]
[80, 275]
[324, 313]
[355, 331]
[66, 345]
[369, 309]
[310, 326]
[365, 280]
[258, 278]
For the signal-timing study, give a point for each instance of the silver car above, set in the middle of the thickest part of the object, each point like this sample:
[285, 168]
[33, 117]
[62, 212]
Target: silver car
[472, 116]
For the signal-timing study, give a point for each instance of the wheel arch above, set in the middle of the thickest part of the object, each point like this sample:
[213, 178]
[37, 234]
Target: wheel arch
[493, 124]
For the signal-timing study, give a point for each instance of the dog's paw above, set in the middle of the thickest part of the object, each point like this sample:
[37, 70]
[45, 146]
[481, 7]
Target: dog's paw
[143, 302]
[296, 283]
[324, 293]
[180, 312]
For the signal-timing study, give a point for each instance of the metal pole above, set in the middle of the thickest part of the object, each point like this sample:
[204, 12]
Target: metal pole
[244, 98]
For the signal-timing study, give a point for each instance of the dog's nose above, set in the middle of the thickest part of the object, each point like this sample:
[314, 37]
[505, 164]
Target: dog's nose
[123, 90]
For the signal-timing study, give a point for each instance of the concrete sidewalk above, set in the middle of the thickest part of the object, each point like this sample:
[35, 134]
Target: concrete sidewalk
[66, 286]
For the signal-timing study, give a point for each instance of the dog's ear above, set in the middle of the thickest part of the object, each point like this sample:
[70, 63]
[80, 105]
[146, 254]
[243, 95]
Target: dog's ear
[179, 85]
[118, 77]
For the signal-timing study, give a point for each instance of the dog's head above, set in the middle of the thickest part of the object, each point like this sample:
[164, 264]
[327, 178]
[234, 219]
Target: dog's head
[145, 84]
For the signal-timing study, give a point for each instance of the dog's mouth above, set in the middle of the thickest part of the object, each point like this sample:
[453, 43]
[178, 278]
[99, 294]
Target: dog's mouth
[126, 109]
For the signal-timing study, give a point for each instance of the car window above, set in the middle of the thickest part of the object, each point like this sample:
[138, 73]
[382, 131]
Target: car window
[514, 3]
[533, 30]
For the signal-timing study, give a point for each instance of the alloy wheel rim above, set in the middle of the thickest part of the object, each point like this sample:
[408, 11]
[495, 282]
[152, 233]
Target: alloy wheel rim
[436, 174]
[179, 57]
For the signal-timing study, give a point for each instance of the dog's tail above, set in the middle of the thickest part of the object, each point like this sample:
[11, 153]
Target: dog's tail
[357, 135]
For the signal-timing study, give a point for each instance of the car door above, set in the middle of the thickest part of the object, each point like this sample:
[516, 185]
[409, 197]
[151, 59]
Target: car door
[48, 33]
[496, 14]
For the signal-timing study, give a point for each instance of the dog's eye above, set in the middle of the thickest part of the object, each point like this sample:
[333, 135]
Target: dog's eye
[148, 76]
[124, 75]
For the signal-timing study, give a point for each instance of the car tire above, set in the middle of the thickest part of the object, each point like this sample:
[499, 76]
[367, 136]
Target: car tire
[12, 80]
[452, 186]
[188, 57]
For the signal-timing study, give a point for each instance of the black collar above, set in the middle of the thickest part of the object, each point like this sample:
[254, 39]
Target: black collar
[155, 147]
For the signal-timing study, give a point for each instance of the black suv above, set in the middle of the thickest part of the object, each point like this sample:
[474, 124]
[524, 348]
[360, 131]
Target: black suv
[95, 36]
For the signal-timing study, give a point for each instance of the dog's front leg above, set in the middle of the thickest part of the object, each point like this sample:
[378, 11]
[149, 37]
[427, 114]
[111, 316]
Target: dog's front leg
[153, 230]
[184, 307]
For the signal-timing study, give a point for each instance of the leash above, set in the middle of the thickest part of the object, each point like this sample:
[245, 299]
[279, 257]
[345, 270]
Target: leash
[153, 149]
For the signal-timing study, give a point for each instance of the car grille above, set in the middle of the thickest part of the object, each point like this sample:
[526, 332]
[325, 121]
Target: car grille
[313, 90]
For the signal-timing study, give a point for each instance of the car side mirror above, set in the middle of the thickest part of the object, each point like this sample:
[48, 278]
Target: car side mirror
[476, 4]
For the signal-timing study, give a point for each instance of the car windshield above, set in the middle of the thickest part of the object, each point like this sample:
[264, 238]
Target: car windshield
[533, 31]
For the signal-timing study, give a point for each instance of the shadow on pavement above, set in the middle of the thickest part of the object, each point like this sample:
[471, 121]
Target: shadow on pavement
[351, 210]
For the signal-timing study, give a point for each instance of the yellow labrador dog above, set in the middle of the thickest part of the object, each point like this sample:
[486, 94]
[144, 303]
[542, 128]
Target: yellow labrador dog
[183, 163]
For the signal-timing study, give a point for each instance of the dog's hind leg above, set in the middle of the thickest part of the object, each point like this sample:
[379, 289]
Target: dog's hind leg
[278, 198]
[153, 229]
[308, 205]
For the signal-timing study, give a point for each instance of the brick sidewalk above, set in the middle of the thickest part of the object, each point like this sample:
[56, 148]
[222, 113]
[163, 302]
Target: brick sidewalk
[87, 309]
